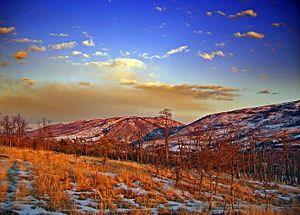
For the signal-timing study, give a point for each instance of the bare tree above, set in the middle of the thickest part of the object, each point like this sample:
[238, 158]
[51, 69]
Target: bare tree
[167, 115]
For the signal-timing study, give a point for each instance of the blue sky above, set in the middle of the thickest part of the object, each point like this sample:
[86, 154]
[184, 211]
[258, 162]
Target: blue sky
[69, 60]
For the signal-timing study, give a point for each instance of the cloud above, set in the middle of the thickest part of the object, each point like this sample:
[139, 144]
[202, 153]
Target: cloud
[250, 34]
[278, 24]
[213, 92]
[80, 101]
[178, 50]
[89, 43]
[267, 92]
[27, 81]
[37, 49]
[128, 82]
[4, 63]
[4, 30]
[211, 56]
[150, 57]
[221, 45]
[58, 35]
[86, 35]
[235, 69]
[202, 32]
[119, 62]
[220, 13]
[61, 46]
[85, 84]
[101, 54]
[60, 57]
[76, 53]
[27, 40]
[20, 55]
[167, 54]
[248, 12]
[85, 56]
[159, 8]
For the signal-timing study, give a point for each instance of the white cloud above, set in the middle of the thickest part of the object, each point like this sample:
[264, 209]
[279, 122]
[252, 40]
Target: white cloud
[150, 57]
[26, 40]
[60, 57]
[86, 35]
[119, 62]
[176, 50]
[58, 35]
[235, 69]
[221, 45]
[60, 46]
[208, 13]
[101, 54]
[159, 8]
[88, 43]
[211, 56]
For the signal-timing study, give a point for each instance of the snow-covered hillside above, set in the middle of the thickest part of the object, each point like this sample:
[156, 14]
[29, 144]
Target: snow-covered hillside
[278, 121]
[127, 129]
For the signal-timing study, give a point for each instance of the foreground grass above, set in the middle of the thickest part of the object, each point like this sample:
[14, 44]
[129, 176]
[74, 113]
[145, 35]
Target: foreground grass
[48, 181]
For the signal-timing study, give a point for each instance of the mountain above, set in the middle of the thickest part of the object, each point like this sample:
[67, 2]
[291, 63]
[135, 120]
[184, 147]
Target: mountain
[129, 128]
[267, 123]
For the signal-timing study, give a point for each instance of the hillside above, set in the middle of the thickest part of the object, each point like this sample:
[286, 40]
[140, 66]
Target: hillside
[267, 123]
[43, 182]
[127, 129]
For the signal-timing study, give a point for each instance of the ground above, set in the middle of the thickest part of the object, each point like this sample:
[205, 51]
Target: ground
[42, 182]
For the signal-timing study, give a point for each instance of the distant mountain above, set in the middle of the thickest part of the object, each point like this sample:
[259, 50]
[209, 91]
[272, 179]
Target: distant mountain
[268, 123]
[129, 128]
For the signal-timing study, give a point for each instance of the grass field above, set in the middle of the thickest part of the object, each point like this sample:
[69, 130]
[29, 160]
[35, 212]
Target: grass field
[44, 182]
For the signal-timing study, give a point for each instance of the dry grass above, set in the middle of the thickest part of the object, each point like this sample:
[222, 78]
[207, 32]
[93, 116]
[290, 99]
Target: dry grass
[55, 173]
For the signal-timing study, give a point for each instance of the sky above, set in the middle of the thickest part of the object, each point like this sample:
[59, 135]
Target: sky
[69, 59]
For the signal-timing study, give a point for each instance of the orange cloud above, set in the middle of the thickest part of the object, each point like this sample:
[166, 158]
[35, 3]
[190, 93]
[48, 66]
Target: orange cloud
[250, 34]
[4, 30]
[20, 55]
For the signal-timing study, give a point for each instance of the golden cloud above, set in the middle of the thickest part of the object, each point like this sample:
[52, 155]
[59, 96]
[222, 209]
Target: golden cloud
[4, 30]
[76, 53]
[188, 102]
[250, 34]
[20, 55]
[248, 12]
[37, 49]
[214, 92]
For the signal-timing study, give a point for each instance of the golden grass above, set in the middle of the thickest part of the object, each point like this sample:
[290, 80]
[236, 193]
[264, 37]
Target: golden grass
[54, 173]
